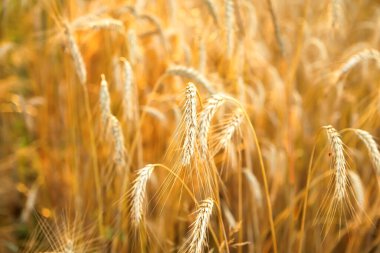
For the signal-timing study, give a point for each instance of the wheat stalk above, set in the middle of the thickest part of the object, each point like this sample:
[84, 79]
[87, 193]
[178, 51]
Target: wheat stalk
[192, 74]
[198, 234]
[118, 139]
[372, 148]
[138, 193]
[339, 162]
[76, 55]
[191, 124]
[105, 101]
[213, 103]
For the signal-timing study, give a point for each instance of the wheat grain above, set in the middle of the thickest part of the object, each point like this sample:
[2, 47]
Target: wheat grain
[191, 124]
[193, 74]
[138, 193]
[372, 148]
[213, 103]
[198, 234]
[339, 162]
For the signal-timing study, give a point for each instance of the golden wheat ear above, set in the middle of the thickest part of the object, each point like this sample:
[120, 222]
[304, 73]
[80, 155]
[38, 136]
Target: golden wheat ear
[192, 74]
[74, 51]
[205, 117]
[198, 235]
[339, 163]
[105, 101]
[190, 124]
[118, 140]
[371, 146]
[138, 193]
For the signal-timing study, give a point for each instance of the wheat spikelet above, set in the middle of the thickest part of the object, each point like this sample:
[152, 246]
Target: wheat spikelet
[365, 54]
[205, 118]
[231, 127]
[357, 187]
[229, 16]
[198, 234]
[118, 138]
[138, 193]
[255, 187]
[191, 73]
[105, 101]
[76, 55]
[128, 91]
[106, 23]
[339, 162]
[372, 148]
[191, 124]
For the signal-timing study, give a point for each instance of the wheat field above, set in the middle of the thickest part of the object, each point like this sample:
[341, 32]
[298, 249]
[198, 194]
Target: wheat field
[189, 126]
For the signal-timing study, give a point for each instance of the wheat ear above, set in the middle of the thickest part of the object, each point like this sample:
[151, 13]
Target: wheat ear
[76, 55]
[128, 91]
[198, 234]
[339, 162]
[255, 187]
[105, 23]
[105, 101]
[357, 187]
[232, 125]
[118, 138]
[192, 74]
[365, 54]
[229, 16]
[190, 124]
[138, 193]
[213, 103]
[372, 148]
